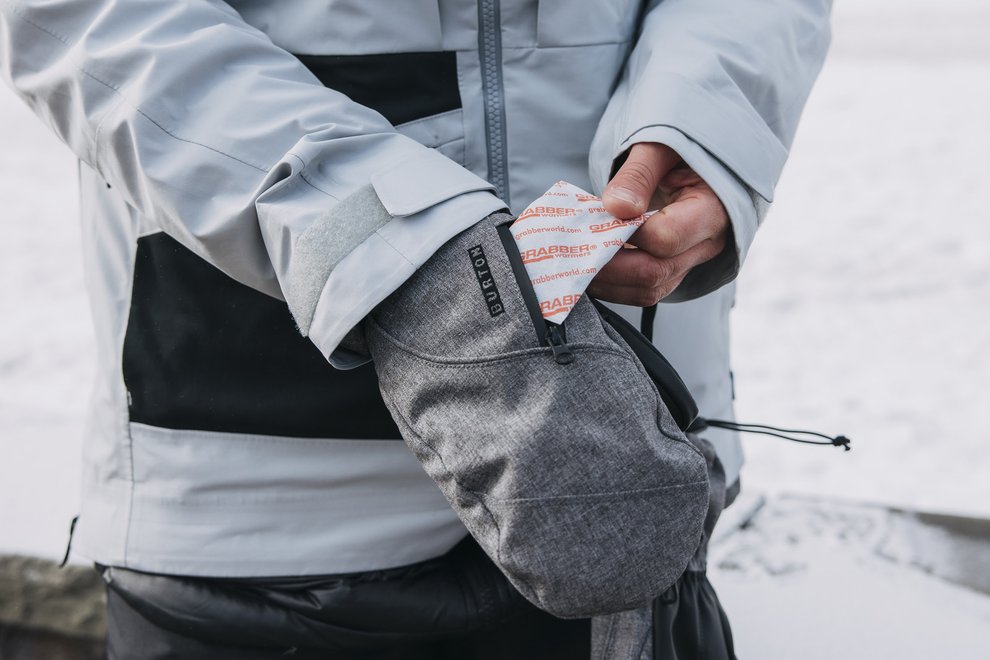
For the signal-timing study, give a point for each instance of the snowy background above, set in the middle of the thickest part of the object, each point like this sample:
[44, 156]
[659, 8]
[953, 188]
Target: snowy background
[864, 306]
[863, 309]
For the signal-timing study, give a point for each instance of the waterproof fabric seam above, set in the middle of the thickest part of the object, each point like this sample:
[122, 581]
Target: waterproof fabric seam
[388, 243]
[552, 499]
[422, 120]
[125, 420]
[254, 437]
[448, 142]
[124, 98]
[454, 363]
[230, 502]
[306, 179]
[624, 42]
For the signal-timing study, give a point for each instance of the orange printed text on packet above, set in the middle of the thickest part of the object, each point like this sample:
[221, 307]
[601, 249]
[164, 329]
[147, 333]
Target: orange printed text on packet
[559, 304]
[547, 212]
[551, 251]
[613, 224]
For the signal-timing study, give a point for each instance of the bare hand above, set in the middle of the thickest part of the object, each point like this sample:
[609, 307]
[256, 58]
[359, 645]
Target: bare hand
[691, 227]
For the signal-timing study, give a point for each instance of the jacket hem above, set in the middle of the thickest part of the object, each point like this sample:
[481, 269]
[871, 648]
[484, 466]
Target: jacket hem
[201, 504]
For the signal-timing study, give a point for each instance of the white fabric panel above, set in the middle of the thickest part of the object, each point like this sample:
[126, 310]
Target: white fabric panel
[316, 504]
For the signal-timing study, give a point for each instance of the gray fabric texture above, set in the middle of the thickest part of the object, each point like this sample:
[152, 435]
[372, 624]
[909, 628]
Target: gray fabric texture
[718, 494]
[623, 636]
[324, 243]
[574, 478]
[629, 635]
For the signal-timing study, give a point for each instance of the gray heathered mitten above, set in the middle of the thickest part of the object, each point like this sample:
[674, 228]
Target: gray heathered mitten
[550, 442]
[689, 612]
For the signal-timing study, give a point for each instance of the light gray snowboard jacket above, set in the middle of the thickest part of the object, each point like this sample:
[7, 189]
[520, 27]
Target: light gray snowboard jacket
[227, 154]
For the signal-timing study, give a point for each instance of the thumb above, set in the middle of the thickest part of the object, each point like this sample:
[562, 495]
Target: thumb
[629, 192]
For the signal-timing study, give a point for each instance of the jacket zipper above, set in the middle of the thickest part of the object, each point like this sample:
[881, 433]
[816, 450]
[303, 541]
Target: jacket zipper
[493, 91]
[547, 333]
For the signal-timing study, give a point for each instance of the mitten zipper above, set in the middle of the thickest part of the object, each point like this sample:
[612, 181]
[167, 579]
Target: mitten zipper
[562, 353]
[548, 334]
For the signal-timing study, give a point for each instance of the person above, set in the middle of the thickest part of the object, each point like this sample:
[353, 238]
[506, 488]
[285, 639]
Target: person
[243, 497]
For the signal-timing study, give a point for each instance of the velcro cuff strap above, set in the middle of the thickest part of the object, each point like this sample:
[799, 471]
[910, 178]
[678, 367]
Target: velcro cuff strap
[324, 244]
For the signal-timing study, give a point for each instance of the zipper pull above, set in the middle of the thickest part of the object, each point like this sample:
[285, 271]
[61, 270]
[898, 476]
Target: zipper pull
[562, 354]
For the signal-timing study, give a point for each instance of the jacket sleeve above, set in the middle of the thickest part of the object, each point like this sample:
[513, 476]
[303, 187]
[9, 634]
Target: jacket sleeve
[230, 145]
[723, 83]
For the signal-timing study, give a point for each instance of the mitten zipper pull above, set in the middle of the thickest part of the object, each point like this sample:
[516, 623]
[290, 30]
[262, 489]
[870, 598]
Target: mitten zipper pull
[562, 353]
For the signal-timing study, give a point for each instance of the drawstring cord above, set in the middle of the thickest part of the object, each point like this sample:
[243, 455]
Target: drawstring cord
[836, 441]
[68, 546]
[646, 322]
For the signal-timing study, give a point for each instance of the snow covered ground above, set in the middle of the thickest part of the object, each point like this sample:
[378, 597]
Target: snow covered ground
[862, 310]
[816, 580]
[863, 307]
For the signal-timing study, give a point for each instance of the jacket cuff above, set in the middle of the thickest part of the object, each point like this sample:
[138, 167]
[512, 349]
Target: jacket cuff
[734, 133]
[417, 226]
[745, 208]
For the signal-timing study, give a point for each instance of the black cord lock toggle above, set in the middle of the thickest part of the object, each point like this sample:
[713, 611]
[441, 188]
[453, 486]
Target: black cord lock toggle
[787, 434]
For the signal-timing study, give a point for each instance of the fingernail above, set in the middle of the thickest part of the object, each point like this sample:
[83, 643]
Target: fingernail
[625, 195]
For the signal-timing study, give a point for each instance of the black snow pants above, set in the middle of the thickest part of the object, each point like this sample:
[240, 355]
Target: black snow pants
[454, 607]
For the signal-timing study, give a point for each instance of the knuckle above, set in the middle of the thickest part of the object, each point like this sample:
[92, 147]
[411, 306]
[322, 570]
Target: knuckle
[648, 297]
[660, 291]
[649, 273]
[664, 271]
[664, 292]
[653, 282]
[669, 242]
[706, 251]
[715, 248]
[668, 287]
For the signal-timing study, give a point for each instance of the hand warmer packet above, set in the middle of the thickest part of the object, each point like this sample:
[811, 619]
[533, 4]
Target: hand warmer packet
[564, 238]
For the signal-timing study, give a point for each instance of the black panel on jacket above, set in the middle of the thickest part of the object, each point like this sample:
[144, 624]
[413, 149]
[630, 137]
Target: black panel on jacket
[400, 86]
[205, 352]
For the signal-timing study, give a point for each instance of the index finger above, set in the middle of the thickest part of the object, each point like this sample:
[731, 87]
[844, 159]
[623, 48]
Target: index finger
[679, 226]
